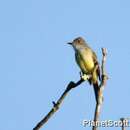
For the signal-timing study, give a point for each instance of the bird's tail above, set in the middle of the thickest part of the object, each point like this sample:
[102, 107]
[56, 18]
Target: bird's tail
[96, 88]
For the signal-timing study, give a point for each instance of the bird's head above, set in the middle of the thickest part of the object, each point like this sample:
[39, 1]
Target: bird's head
[78, 42]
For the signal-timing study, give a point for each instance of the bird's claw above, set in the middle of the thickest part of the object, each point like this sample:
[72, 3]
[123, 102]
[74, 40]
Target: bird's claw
[84, 76]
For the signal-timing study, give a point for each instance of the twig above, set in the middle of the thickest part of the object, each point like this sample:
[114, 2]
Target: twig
[57, 104]
[100, 91]
[71, 85]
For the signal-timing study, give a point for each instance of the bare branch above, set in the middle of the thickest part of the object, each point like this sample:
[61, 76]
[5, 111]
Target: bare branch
[101, 88]
[57, 104]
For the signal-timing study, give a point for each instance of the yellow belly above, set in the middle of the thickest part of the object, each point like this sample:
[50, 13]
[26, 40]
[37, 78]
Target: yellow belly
[85, 61]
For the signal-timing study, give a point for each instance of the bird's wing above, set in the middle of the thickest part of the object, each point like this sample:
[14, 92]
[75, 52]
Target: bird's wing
[97, 64]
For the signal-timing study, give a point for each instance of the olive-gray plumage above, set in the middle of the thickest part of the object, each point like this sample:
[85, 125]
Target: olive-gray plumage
[87, 61]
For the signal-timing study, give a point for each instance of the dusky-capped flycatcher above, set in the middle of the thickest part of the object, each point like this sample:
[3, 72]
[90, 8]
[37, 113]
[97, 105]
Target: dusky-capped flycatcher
[87, 61]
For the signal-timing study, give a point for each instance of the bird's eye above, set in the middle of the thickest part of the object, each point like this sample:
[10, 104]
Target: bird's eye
[78, 40]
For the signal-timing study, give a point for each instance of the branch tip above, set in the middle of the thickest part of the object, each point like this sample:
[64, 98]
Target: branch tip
[104, 51]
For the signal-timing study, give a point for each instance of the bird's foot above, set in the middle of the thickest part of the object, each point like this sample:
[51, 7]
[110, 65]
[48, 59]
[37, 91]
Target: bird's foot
[84, 76]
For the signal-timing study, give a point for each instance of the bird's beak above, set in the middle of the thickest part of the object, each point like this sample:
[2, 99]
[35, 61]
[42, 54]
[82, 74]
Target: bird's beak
[70, 43]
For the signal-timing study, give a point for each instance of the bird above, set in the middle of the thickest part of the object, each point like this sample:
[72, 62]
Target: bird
[87, 61]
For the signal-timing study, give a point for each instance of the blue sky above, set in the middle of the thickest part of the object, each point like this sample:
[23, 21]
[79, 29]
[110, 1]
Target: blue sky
[37, 64]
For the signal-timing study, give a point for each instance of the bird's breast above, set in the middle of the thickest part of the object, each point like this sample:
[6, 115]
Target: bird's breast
[85, 60]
